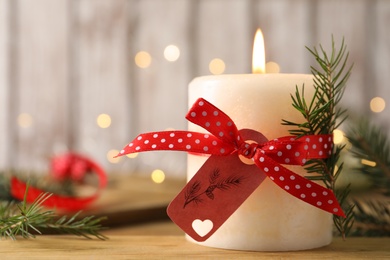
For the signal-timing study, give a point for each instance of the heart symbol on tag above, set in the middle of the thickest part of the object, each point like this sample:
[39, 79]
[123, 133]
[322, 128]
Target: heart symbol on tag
[202, 228]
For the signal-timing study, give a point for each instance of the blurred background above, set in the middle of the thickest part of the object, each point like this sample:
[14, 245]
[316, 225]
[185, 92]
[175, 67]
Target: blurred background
[89, 75]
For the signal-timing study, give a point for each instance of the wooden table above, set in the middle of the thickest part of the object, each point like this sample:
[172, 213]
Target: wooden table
[176, 247]
[133, 199]
[163, 240]
[128, 202]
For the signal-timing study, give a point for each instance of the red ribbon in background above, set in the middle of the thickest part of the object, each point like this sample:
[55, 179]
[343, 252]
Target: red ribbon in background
[73, 165]
[225, 139]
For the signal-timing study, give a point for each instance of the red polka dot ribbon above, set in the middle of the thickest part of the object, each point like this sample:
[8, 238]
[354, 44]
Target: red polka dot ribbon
[68, 203]
[225, 139]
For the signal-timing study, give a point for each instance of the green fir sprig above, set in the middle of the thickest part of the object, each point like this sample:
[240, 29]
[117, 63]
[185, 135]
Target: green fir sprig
[371, 143]
[322, 115]
[21, 219]
[372, 218]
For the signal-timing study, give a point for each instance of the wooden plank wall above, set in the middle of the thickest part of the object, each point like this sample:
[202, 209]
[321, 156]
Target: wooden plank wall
[65, 62]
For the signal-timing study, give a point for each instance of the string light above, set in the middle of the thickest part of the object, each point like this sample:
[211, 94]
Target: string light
[217, 66]
[171, 53]
[368, 162]
[377, 104]
[103, 121]
[158, 176]
[143, 59]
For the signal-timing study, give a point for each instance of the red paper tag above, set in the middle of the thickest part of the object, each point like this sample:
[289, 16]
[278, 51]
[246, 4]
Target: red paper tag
[213, 195]
[215, 192]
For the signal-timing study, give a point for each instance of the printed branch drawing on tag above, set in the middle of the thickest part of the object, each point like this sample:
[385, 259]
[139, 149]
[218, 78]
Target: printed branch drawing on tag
[192, 194]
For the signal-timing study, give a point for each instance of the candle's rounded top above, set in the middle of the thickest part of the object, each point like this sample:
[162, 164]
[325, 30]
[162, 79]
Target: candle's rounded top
[251, 77]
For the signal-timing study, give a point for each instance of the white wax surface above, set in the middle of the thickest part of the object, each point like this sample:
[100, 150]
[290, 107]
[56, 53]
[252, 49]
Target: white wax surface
[270, 219]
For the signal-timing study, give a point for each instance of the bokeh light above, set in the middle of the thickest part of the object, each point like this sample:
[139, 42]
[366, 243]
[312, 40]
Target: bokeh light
[132, 155]
[171, 53]
[110, 156]
[158, 176]
[377, 104]
[338, 136]
[143, 59]
[103, 121]
[25, 120]
[217, 66]
[272, 67]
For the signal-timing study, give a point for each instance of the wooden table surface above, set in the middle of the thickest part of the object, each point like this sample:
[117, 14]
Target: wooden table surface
[128, 202]
[133, 199]
[176, 247]
[163, 240]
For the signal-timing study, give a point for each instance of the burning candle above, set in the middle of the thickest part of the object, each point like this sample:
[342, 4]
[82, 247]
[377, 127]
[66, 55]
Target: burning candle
[270, 219]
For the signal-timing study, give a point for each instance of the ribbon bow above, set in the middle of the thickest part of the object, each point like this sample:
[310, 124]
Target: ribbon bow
[61, 165]
[225, 139]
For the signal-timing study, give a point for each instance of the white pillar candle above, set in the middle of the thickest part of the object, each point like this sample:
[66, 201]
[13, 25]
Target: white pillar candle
[270, 219]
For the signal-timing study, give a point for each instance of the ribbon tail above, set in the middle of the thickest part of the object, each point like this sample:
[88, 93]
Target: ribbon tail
[186, 141]
[298, 186]
[18, 189]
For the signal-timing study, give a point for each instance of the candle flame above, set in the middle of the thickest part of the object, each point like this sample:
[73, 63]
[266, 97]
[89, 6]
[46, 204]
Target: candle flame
[258, 58]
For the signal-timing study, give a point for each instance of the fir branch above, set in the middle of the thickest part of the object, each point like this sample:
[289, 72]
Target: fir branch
[322, 115]
[87, 227]
[371, 146]
[344, 225]
[372, 218]
[19, 219]
[370, 143]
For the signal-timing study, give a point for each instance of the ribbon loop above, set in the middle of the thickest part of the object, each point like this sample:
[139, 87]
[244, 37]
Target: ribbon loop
[215, 121]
